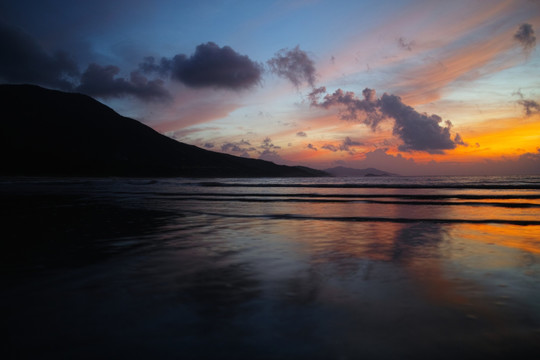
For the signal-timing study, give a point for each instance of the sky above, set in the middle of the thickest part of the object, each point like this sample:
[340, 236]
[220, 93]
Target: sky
[410, 87]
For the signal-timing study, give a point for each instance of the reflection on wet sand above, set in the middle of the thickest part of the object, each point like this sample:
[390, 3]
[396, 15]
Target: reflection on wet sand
[397, 280]
[173, 280]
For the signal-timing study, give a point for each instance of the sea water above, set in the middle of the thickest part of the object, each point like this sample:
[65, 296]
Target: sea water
[315, 268]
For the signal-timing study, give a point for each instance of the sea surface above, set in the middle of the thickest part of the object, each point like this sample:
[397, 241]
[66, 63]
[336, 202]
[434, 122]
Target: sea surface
[315, 268]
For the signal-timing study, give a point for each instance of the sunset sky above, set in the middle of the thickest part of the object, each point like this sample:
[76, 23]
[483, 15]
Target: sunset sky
[410, 87]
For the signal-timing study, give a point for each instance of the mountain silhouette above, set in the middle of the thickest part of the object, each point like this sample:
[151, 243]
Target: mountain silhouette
[52, 133]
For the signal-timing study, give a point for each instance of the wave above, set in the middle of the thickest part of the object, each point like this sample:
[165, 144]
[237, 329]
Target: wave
[475, 186]
[373, 219]
[421, 203]
[535, 196]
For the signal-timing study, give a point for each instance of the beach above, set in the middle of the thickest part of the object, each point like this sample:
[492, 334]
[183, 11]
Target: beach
[273, 268]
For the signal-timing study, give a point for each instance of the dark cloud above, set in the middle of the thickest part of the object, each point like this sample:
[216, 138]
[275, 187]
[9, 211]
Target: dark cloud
[525, 36]
[310, 146]
[209, 145]
[418, 131]
[149, 65]
[101, 81]
[301, 134]
[209, 66]
[24, 60]
[294, 65]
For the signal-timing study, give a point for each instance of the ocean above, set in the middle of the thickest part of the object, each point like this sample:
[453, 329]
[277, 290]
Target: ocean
[273, 268]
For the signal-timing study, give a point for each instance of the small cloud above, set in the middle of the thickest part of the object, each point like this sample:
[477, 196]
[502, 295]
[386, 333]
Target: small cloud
[294, 65]
[269, 152]
[268, 145]
[209, 145]
[348, 144]
[525, 36]
[330, 147]
[238, 148]
[458, 140]
[530, 107]
[301, 134]
[404, 44]
[310, 146]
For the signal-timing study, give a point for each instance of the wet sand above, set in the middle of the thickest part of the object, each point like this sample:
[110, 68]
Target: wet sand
[90, 273]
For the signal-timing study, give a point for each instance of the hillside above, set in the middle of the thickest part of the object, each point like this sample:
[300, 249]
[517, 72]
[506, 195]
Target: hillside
[53, 133]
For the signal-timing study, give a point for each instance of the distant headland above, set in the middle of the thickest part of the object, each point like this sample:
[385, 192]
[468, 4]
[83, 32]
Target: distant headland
[350, 172]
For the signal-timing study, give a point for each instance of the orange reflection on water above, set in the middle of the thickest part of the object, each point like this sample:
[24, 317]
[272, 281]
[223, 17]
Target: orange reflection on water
[526, 238]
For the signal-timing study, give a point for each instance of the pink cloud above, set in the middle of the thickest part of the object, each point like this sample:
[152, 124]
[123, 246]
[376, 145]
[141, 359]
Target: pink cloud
[466, 42]
[192, 108]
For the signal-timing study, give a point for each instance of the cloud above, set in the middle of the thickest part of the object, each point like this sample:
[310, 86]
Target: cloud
[348, 144]
[209, 145]
[268, 145]
[404, 44]
[525, 164]
[301, 134]
[459, 140]
[209, 66]
[101, 81]
[525, 36]
[351, 106]
[269, 151]
[24, 60]
[149, 66]
[192, 108]
[418, 131]
[529, 106]
[294, 65]
[330, 147]
[242, 148]
[310, 146]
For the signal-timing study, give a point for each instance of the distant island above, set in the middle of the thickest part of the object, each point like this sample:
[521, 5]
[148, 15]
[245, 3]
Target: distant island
[52, 133]
[350, 172]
